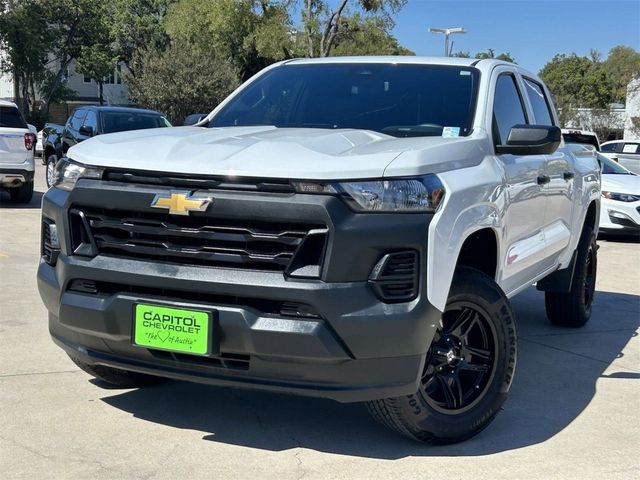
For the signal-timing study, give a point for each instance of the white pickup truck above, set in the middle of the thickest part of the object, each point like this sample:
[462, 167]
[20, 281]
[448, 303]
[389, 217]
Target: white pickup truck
[349, 228]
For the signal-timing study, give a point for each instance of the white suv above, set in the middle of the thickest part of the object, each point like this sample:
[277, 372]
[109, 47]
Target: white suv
[17, 145]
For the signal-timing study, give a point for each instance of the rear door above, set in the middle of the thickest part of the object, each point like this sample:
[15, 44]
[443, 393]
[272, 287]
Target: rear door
[12, 130]
[525, 200]
[559, 175]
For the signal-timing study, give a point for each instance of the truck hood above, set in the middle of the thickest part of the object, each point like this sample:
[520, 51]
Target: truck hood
[629, 184]
[264, 151]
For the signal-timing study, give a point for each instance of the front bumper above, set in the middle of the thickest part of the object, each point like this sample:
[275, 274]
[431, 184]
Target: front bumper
[357, 348]
[620, 217]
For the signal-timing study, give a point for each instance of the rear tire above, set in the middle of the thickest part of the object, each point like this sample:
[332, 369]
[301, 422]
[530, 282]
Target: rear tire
[117, 377]
[468, 369]
[573, 308]
[22, 194]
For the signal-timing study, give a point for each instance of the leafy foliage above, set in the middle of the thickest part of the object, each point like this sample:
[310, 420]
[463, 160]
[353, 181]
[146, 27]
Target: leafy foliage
[489, 53]
[138, 25]
[180, 81]
[323, 24]
[623, 63]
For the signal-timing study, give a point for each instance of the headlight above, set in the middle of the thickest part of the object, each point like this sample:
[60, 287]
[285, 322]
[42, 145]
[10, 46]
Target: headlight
[67, 173]
[420, 194]
[621, 197]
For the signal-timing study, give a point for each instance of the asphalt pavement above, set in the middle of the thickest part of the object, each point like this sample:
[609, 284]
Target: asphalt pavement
[573, 412]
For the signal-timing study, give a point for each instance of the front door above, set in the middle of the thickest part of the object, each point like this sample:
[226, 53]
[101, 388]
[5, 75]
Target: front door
[525, 210]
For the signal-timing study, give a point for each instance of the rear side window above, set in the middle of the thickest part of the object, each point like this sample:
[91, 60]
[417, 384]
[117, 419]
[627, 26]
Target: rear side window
[10, 117]
[612, 147]
[507, 108]
[78, 117]
[630, 148]
[124, 121]
[539, 102]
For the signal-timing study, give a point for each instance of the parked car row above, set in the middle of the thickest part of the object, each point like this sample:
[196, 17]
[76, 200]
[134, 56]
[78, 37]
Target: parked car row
[620, 167]
[89, 121]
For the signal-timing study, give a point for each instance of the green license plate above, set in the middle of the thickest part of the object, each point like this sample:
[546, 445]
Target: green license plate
[173, 329]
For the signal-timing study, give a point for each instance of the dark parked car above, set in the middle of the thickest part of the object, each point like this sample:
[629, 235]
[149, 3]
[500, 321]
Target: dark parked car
[89, 121]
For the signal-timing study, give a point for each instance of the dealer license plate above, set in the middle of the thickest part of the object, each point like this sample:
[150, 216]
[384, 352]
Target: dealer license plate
[172, 329]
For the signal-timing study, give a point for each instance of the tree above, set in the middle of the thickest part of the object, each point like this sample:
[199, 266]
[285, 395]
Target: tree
[138, 25]
[25, 40]
[73, 24]
[323, 24]
[97, 62]
[251, 34]
[489, 53]
[577, 82]
[180, 80]
[367, 36]
[623, 63]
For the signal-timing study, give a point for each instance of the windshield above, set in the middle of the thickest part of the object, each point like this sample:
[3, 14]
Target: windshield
[124, 121]
[399, 100]
[612, 168]
[10, 117]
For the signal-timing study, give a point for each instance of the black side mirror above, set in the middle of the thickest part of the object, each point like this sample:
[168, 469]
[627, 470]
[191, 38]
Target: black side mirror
[531, 140]
[193, 119]
[86, 130]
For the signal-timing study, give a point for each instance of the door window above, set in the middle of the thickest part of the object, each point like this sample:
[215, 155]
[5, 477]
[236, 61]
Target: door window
[539, 102]
[612, 147]
[630, 148]
[508, 109]
[78, 117]
[91, 120]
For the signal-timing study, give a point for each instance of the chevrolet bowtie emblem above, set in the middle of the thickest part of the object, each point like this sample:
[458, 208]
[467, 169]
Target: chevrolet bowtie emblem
[181, 203]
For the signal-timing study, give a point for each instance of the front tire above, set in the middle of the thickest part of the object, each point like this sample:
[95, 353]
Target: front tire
[50, 169]
[468, 369]
[117, 377]
[573, 308]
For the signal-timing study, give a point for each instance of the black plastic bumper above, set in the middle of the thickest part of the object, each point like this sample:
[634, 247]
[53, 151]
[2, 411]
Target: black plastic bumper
[358, 348]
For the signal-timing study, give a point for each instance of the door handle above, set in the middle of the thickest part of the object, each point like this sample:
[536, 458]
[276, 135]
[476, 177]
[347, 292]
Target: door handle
[567, 176]
[543, 179]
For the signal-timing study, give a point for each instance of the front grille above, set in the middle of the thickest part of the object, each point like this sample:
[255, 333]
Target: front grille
[231, 361]
[196, 240]
[263, 305]
[395, 278]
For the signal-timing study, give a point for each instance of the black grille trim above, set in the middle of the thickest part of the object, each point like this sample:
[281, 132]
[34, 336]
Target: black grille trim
[194, 240]
[47, 250]
[395, 278]
[229, 361]
[195, 182]
[261, 305]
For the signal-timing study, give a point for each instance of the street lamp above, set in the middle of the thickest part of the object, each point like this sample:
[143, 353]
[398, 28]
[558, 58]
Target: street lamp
[447, 32]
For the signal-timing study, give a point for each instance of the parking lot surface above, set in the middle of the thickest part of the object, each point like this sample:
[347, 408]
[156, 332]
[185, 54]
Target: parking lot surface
[573, 410]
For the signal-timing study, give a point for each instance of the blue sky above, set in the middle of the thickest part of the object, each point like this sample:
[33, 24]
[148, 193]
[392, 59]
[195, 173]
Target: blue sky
[532, 30]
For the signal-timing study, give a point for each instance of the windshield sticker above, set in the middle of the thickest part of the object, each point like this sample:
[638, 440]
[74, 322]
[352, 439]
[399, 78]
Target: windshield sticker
[451, 132]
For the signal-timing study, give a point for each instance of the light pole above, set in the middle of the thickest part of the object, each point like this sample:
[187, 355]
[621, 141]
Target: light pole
[447, 32]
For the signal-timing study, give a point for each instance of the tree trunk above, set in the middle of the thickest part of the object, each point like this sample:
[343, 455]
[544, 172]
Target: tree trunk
[16, 86]
[100, 90]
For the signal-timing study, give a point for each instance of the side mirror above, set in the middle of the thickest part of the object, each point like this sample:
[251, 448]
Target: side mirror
[193, 119]
[86, 130]
[531, 140]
